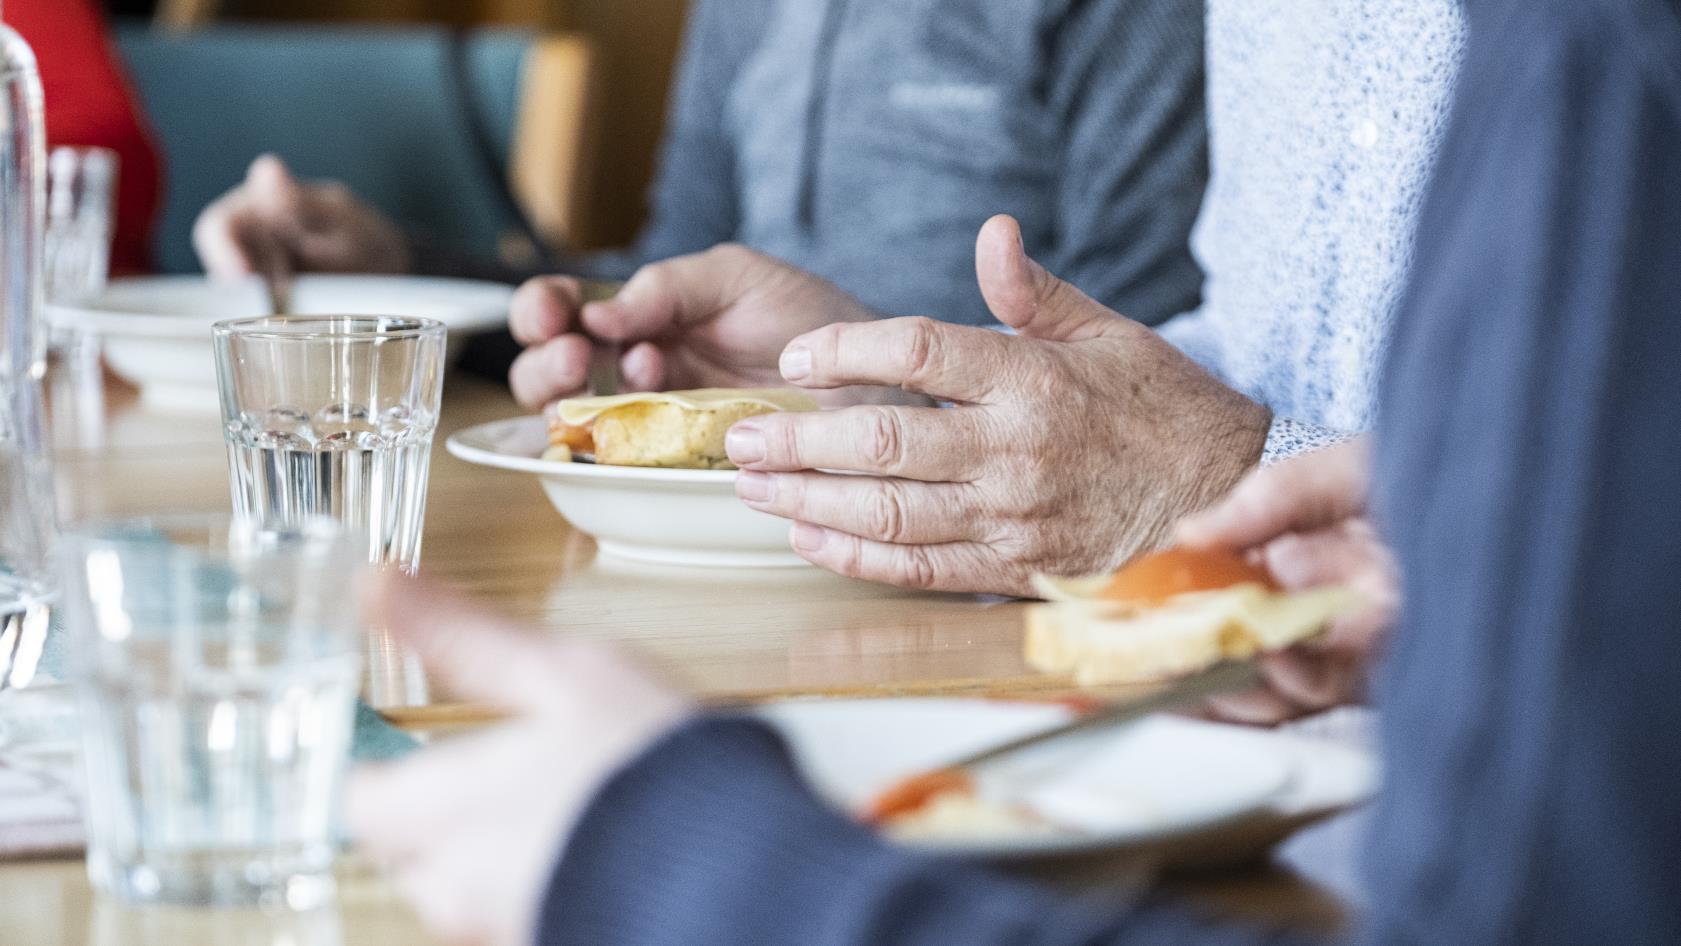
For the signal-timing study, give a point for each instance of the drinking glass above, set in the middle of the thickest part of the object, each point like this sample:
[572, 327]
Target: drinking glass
[81, 201]
[334, 416]
[26, 511]
[81, 193]
[216, 668]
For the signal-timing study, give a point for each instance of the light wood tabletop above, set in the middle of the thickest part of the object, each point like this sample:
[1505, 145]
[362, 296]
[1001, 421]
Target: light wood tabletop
[730, 635]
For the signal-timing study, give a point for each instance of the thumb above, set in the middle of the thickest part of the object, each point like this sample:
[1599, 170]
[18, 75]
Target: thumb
[473, 654]
[1024, 296]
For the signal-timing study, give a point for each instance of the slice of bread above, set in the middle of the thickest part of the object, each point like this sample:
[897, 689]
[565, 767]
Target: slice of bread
[1097, 643]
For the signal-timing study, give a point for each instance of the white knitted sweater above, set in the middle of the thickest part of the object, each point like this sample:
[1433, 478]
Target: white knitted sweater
[1324, 117]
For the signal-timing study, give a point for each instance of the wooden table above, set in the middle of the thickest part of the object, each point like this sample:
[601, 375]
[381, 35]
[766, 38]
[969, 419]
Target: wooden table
[730, 636]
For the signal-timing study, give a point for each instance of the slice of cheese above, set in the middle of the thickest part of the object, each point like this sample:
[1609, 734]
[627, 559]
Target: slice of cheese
[581, 410]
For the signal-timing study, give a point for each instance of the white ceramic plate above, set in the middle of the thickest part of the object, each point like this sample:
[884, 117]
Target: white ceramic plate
[669, 517]
[155, 330]
[1161, 781]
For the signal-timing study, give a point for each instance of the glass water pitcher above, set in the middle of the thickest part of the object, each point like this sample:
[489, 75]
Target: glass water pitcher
[27, 583]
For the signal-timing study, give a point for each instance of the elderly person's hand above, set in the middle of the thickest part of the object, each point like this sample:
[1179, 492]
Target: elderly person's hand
[714, 319]
[1305, 518]
[470, 829]
[1070, 448]
[273, 225]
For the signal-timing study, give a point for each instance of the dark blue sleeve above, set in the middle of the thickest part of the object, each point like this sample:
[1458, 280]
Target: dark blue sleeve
[1530, 458]
[711, 838]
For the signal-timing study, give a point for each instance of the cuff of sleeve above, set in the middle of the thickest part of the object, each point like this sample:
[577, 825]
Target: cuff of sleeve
[680, 846]
[711, 837]
[1287, 438]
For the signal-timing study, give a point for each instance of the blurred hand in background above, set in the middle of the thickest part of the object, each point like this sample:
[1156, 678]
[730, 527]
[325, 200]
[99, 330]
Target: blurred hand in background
[275, 226]
[1306, 519]
[719, 318]
[470, 829]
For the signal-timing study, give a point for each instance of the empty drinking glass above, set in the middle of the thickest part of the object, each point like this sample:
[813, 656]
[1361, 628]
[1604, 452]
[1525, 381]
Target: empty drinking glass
[217, 671]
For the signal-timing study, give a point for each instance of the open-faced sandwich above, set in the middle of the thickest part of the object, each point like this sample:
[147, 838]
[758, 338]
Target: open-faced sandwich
[677, 429]
[1169, 614]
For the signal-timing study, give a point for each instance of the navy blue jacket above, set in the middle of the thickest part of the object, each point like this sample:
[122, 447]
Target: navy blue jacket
[1530, 458]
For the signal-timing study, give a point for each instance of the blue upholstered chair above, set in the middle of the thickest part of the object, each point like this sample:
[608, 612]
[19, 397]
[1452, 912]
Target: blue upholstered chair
[476, 140]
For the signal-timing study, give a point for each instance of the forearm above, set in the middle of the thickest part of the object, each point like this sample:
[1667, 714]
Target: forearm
[712, 838]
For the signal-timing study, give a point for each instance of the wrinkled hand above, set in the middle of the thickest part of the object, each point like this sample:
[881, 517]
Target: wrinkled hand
[1305, 518]
[274, 226]
[471, 828]
[713, 319]
[1070, 448]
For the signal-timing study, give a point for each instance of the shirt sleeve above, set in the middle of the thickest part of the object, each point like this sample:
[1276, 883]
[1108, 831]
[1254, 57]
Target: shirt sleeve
[694, 198]
[1127, 77]
[711, 838]
[1287, 438]
[1527, 460]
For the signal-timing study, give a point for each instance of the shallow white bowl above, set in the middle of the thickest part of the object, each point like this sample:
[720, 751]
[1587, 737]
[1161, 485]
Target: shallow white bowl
[155, 330]
[670, 517]
[1166, 788]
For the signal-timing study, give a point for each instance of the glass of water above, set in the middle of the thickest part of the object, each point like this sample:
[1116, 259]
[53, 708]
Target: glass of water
[334, 416]
[217, 671]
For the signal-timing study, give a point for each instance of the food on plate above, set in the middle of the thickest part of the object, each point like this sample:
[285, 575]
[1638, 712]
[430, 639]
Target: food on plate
[944, 805]
[1169, 614]
[676, 429]
[966, 816]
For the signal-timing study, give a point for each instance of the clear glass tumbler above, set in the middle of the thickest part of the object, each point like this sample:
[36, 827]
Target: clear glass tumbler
[217, 670]
[27, 584]
[334, 416]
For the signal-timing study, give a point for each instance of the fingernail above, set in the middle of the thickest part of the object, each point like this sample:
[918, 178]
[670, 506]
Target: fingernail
[745, 443]
[754, 487]
[809, 538]
[795, 363]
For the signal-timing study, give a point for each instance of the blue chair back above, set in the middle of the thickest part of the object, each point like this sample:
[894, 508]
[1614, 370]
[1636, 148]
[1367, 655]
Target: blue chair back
[380, 109]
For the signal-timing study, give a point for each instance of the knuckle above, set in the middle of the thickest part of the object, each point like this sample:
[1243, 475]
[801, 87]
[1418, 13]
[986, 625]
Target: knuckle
[849, 558]
[886, 513]
[884, 439]
[916, 568]
[782, 442]
[731, 255]
[335, 193]
[922, 342]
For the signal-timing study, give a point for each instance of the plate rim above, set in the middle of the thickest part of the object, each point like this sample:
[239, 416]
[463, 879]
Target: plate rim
[120, 323]
[1018, 849]
[459, 448]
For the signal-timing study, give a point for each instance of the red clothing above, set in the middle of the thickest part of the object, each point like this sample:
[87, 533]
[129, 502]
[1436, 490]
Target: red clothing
[90, 102]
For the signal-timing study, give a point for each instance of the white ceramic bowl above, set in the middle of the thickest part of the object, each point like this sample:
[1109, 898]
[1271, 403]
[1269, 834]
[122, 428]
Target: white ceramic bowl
[670, 517]
[155, 330]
